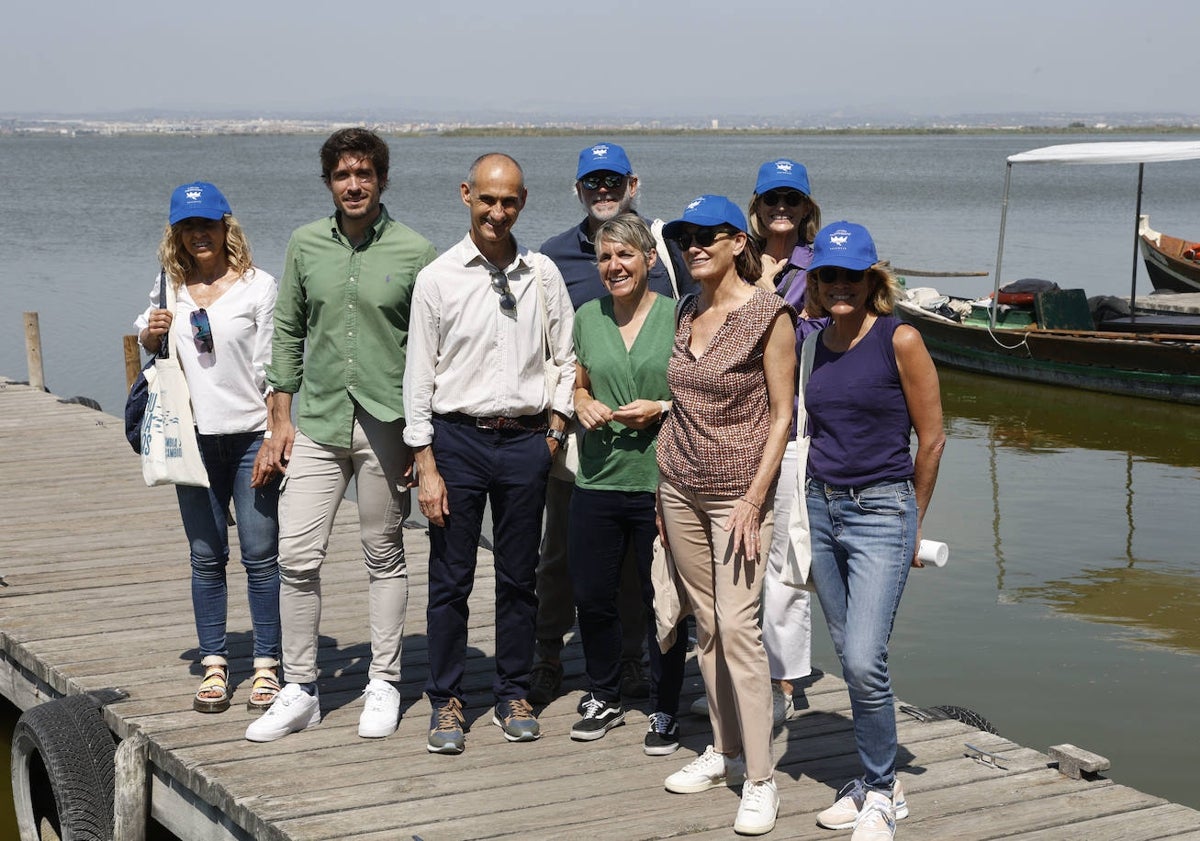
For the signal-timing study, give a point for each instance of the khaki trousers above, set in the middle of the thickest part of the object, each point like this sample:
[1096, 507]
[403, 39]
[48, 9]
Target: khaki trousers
[725, 594]
[313, 488]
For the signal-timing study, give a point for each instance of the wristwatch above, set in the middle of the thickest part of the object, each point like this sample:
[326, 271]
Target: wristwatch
[559, 436]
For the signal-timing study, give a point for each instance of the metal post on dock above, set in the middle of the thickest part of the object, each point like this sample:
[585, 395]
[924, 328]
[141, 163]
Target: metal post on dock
[33, 352]
[133, 360]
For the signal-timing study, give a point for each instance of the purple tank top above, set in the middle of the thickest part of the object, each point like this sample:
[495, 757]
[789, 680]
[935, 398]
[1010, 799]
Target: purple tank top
[859, 419]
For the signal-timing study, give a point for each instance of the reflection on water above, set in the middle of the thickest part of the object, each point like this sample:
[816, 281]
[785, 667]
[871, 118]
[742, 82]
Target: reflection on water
[1156, 606]
[1134, 566]
[1062, 615]
[1034, 417]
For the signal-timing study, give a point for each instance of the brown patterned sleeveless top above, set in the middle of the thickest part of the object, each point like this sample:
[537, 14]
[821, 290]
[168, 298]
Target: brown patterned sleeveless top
[714, 436]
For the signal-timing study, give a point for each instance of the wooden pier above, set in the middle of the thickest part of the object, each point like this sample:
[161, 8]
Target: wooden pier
[94, 595]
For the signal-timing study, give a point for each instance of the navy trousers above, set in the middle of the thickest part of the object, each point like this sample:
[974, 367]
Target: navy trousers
[509, 470]
[603, 525]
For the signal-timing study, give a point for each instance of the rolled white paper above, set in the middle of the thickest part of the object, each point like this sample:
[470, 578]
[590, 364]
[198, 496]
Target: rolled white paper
[933, 552]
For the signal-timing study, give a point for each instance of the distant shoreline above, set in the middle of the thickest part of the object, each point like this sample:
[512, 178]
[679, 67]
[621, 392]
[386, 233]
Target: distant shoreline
[77, 129]
[881, 131]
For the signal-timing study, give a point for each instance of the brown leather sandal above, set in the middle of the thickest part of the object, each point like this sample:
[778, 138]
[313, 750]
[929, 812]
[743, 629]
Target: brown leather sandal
[264, 686]
[213, 694]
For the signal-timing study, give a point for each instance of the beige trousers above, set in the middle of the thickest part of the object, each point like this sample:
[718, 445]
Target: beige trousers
[313, 488]
[725, 593]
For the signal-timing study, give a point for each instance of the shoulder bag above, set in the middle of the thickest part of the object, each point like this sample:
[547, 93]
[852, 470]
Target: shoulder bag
[799, 560]
[170, 451]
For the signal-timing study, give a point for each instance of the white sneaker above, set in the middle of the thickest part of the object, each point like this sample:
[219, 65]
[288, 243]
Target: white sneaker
[843, 814]
[700, 706]
[381, 710]
[293, 710]
[760, 805]
[706, 771]
[877, 822]
[781, 704]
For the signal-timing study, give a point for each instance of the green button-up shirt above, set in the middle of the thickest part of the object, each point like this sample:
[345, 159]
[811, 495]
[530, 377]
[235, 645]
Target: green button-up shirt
[351, 306]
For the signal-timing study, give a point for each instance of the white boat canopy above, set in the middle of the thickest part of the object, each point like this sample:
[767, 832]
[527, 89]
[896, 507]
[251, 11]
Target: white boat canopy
[1130, 152]
[1106, 152]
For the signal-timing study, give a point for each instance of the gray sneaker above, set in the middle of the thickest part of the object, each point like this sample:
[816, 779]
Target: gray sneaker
[517, 721]
[447, 728]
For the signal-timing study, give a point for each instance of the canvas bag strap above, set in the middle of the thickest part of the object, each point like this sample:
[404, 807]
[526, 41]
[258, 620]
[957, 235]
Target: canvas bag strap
[164, 349]
[807, 352]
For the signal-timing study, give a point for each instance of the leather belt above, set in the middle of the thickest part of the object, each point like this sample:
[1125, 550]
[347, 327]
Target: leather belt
[524, 423]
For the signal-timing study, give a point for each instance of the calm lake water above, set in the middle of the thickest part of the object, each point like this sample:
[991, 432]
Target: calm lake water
[1067, 611]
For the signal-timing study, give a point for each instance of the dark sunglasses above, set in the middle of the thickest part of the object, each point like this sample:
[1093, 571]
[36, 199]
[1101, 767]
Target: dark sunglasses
[703, 237]
[835, 275]
[610, 180]
[508, 302]
[773, 198]
[202, 330]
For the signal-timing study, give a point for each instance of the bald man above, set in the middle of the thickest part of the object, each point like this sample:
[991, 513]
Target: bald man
[484, 426]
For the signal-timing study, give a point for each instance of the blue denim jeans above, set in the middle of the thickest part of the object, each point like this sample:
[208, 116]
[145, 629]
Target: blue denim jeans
[862, 549]
[229, 460]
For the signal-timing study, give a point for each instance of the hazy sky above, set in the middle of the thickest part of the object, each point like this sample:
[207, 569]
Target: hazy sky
[784, 58]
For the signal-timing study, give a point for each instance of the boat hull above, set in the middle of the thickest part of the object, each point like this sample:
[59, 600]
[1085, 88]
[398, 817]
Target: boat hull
[1165, 263]
[1133, 365]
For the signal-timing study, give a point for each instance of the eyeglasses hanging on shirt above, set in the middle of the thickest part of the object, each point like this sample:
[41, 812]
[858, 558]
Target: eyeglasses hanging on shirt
[508, 301]
[202, 330]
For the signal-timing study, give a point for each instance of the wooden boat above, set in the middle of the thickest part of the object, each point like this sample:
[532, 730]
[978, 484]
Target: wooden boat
[1157, 365]
[1055, 338]
[1172, 263]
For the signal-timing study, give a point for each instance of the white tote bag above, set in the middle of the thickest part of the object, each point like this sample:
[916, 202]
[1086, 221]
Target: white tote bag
[170, 451]
[795, 571]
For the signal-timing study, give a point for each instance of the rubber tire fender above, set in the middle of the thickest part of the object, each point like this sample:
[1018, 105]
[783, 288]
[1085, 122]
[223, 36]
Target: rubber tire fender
[67, 741]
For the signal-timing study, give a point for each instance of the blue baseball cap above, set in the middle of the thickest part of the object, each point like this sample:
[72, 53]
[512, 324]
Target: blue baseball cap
[843, 245]
[603, 157]
[198, 199]
[782, 174]
[707, 212]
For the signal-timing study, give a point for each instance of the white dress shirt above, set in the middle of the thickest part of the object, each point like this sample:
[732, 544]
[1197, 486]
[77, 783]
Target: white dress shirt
[466, 354]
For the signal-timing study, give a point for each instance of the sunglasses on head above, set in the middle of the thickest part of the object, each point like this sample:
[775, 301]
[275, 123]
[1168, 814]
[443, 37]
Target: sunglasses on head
[703, 237]
[836, 274]
[773, 198]
[202, 330]
[610, 180]
[508, 301]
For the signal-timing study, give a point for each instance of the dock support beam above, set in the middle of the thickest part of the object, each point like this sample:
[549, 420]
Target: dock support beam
[133, 360]
[33, 352]
[131, 806]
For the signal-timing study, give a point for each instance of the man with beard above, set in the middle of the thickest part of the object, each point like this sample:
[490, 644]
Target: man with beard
[606, 186]
[341, 328]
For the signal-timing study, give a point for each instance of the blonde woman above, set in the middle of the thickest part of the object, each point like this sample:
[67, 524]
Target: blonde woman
[222, 325]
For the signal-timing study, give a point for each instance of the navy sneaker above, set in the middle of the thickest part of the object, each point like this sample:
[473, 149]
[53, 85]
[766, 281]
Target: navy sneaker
[598, 718]
[662, 738]
[517, 721]
[447, 728]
